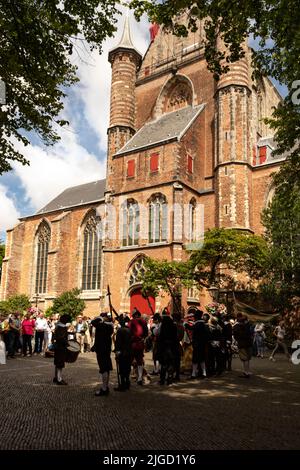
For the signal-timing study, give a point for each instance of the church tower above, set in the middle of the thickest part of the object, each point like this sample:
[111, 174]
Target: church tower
[125, 61]
[233, 147]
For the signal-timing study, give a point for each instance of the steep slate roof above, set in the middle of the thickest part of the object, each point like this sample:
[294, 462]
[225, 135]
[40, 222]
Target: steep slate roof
[76, 196]
[171, 126]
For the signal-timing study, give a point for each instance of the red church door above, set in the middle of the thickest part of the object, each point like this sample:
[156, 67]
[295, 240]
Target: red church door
[141, 303]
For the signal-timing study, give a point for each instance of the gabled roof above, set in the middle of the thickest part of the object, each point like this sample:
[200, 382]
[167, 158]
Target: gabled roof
[171, 126]
[76, 196]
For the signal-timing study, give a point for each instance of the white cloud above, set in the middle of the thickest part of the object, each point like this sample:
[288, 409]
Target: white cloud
[68, 163]
[8, 211]
[95, 77]
[54, 169]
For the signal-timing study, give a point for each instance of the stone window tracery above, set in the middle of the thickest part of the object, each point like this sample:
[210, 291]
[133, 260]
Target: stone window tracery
[180, 97]
[192, 220]
[137, 271]
[158, 219]
[131, 223]
[43, 238]
[92, 253]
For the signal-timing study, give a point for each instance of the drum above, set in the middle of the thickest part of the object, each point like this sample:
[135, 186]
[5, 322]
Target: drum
[73, 349]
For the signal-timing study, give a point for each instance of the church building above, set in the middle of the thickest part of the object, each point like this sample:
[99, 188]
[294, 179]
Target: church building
[185, 153]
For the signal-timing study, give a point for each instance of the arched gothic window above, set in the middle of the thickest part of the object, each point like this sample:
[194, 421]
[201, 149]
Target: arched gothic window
[131, 223]
[43, 238]
[192, 221]
[92, 251]
[137, 271]
[158, 219]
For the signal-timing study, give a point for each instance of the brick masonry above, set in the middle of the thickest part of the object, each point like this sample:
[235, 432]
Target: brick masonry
[220, 141]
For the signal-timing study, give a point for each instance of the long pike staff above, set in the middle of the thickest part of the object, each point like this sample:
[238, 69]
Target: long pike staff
[112, 310]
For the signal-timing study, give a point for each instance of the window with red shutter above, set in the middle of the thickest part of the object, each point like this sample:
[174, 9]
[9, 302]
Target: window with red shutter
[262, 154]
[130, 168]
[154, 162]
[190, 164]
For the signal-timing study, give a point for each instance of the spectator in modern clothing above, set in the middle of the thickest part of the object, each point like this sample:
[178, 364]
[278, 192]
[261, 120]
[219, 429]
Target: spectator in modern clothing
[80, 329]
[40, 328]
[280, 333]
[28, 325]
[259, 339]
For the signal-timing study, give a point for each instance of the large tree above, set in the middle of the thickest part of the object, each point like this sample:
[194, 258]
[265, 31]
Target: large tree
[69, 303]
[282, 222]
[274, 24]
[165, 276]
[37, 39]
[226, 252]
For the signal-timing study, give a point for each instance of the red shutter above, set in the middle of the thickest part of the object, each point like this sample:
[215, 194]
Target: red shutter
[190, 164]
[130, 168]
[262, 154]
[154, 162]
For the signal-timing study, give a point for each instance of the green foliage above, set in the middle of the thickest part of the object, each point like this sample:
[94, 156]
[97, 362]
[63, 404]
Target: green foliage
[167, 276]
[69, 303]
[36, 42]
[49, 312]
[4, 308]
[227, 250]
[15, 303]
[223, 252]
[275, 27]
[282, 222]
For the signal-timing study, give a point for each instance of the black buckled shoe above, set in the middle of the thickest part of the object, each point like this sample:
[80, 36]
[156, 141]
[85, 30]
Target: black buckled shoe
[102, 393]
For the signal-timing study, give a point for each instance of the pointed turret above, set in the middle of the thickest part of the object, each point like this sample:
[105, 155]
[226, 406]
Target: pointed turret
[125, 61]
[125, 43]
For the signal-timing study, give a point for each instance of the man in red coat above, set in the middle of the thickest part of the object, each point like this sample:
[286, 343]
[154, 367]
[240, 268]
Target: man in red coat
[139, 331]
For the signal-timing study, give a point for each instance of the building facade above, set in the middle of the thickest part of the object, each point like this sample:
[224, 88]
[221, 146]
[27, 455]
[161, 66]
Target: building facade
[185, 153]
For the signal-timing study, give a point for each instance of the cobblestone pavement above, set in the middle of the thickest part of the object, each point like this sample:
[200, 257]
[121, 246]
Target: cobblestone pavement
[220, 413]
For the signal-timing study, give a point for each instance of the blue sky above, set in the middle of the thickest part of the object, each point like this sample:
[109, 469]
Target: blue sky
[80, 156]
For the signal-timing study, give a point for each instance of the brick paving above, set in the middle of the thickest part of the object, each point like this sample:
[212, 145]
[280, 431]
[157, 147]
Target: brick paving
[220, 413]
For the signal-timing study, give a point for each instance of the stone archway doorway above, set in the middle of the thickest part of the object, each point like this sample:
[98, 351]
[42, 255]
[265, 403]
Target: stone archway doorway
[137, 300]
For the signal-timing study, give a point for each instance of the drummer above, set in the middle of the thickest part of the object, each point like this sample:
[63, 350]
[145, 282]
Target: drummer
[60, 350]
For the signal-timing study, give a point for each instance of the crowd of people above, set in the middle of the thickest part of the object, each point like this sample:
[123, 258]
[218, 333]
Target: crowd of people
[200, 344]
[31, 333]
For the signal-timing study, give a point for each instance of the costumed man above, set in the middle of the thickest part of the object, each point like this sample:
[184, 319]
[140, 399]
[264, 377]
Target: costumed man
[187, 342]
[60, 341]
[167, 349]
[179, 351]
[102, 347]
[227, 332]
[243, 337]
[154, 331]
[199, 341]
[123, 351]
[139, 331]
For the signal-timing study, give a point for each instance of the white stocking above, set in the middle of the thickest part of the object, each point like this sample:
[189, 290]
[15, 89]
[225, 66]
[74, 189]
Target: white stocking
[202, 364]
[140, 372]
[59, 374]
[105, 378]
[195, 370]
